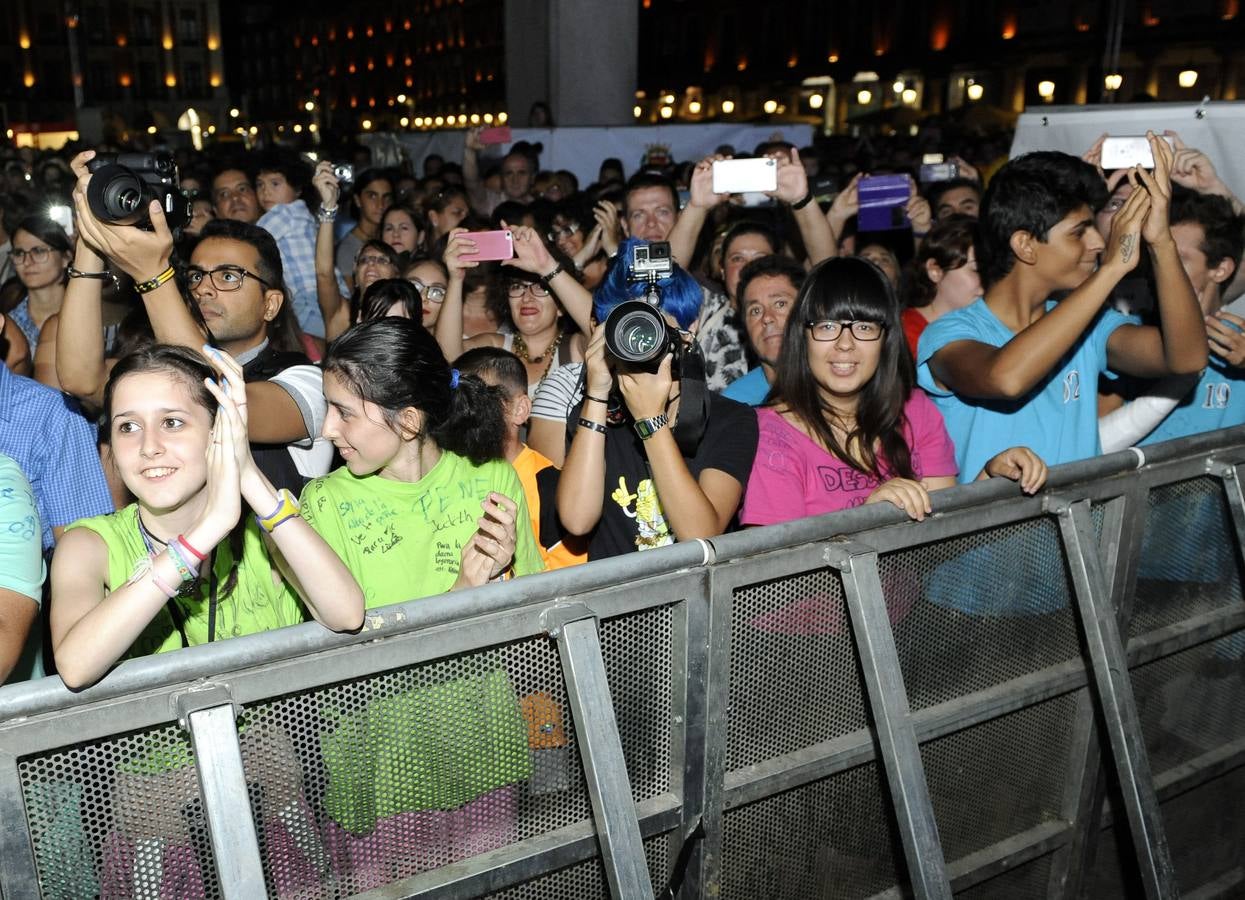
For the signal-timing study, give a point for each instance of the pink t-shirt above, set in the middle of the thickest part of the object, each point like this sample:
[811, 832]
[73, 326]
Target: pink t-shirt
[793, 477]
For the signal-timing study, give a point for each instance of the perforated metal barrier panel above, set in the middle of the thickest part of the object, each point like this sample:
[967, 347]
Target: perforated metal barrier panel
[926, 710]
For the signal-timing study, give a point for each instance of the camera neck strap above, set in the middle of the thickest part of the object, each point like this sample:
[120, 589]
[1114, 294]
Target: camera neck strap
[689, 428]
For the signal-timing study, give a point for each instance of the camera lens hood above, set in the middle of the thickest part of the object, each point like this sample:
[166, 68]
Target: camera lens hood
[637, 334]
[116, 194]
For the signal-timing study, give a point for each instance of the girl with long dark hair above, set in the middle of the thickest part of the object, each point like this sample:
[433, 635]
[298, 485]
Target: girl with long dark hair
[847, 425]
[425, 503]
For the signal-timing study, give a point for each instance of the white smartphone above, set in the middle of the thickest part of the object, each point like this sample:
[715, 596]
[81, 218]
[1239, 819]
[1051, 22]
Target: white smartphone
[1127, 150]
[742, 176]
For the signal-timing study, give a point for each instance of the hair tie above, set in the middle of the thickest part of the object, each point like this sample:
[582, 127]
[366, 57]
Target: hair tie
[453, 379]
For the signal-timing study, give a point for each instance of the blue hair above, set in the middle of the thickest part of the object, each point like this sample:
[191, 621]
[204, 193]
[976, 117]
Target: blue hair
[680, 293]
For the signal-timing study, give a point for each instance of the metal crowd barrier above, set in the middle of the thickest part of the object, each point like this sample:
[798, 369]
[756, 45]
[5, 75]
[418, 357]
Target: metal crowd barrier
[1019, 697]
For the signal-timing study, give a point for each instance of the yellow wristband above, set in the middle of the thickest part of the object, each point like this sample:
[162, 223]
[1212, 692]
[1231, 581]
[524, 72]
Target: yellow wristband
[287, 507]
[146, 287]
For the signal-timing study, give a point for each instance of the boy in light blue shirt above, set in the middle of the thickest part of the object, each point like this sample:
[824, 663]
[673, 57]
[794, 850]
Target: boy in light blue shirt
[1017, 368]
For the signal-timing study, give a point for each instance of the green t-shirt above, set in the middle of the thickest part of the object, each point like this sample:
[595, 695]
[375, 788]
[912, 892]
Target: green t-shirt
[403, 540]
[254, 604]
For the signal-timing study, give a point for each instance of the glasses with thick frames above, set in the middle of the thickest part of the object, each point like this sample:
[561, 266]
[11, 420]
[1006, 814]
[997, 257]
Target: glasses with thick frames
[434, 292]
[830, 330]
[517, 289]
[223, 278]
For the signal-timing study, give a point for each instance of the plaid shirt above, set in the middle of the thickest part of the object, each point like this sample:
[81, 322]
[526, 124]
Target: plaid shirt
[294, 229]
[46, 435]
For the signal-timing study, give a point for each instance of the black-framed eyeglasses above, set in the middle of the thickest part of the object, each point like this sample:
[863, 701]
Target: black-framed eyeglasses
[517, 289]
[435, 293]
[557, 233]
[34, 254]
[373, 261]
[223, 278]
[830, 330]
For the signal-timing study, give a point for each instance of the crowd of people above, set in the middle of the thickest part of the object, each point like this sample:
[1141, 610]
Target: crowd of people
[401, 418]
[316, 398]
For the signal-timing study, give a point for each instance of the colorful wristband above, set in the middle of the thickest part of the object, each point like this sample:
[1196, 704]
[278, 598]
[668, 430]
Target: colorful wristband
[181, 539]
[283, 520]
[286, 508]
[169, 592]
[185, 570]
[146, 287]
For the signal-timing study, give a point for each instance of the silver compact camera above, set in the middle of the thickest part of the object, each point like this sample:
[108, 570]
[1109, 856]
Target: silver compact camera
[651, 262]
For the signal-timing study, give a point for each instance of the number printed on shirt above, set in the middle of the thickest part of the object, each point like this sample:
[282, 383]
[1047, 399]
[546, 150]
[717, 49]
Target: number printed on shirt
[1217, 395]
[1072, 386]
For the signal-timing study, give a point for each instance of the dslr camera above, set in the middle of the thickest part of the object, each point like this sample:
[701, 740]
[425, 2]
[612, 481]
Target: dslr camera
[637, 334]
[122, 186]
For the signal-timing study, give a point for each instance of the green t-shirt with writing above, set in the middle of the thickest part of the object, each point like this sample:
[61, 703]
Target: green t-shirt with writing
[403, 540]
[256, 603]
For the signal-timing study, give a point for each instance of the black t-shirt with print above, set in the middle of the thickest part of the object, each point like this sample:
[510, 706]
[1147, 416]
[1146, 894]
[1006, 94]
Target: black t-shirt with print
[631, 515]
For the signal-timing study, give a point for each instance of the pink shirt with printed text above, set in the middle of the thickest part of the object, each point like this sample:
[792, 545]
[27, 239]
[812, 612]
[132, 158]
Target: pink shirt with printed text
[793, 477]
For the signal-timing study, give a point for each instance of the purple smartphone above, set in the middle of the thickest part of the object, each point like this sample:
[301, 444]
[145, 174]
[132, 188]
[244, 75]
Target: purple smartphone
[882, 201]
[491, 245]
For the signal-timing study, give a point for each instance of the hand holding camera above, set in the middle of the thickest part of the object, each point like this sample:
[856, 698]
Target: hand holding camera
[458, 247]
[327, 184]
[141, 252]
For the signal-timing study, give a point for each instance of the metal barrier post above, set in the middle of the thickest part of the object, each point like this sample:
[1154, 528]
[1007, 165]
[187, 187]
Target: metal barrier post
[1111, 680]
[18, 878]
[218, 759]
[888, 705]
[605, 769]
[1123, 527]
[690, 671]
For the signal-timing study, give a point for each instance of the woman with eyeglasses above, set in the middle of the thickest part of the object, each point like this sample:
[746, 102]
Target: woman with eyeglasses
[538, 290]
[430, 279]
[847, 426]
[41, 254]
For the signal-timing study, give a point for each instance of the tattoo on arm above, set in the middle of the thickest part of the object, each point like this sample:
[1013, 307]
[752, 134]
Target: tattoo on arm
[1128, 243]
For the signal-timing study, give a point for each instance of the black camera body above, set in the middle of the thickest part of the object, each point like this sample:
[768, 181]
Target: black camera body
[637, 335]
[122, 186]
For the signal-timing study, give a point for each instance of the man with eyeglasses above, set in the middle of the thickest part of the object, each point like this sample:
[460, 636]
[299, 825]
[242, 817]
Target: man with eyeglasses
[236, 279]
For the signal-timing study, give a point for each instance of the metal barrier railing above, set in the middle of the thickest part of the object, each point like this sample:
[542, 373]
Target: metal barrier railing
[1017, 697]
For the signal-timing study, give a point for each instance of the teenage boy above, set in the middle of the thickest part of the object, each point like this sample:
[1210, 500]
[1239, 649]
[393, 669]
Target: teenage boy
[1210, 238]
[1017, 367]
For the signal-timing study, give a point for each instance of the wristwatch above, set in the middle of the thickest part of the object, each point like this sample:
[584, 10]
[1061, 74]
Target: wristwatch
[646, 428]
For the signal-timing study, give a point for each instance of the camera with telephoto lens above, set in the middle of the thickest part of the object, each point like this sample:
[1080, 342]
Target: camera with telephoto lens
[637, 334]
[123, 185]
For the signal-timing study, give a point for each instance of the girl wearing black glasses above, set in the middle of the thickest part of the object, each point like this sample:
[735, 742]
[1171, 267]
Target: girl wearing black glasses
[845, 425]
